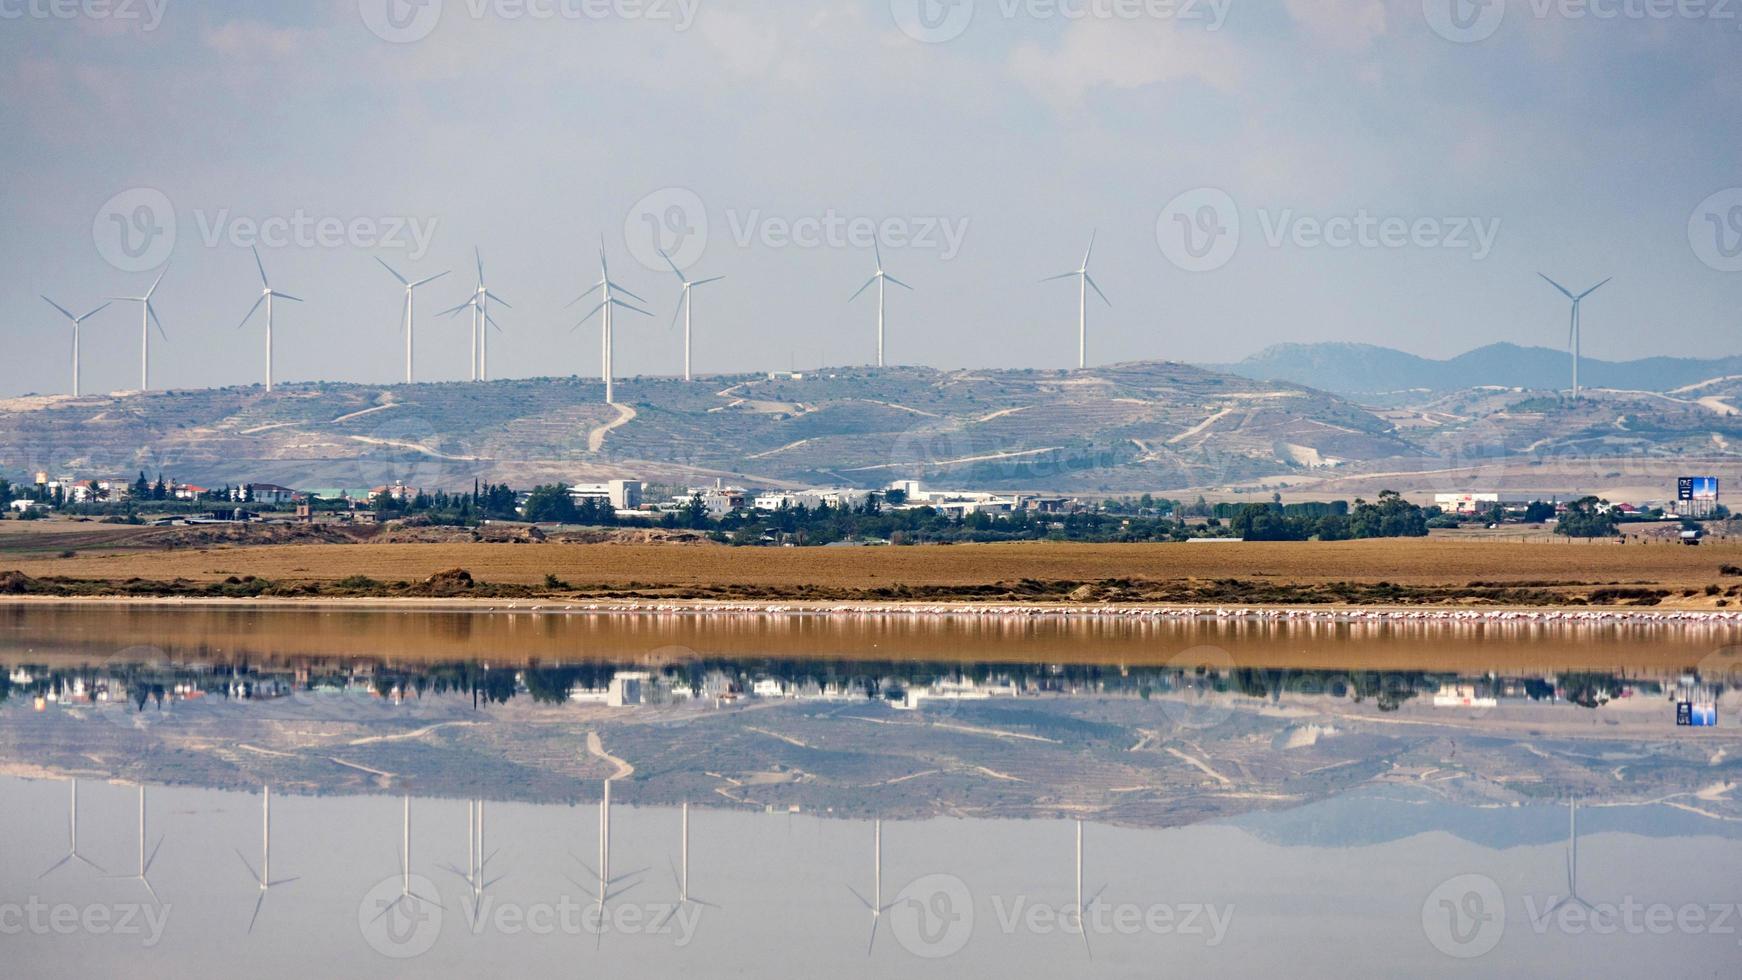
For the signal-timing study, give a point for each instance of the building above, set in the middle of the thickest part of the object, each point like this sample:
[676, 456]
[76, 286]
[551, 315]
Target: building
[620, 494]
[398, 493]
[1467, 503]
[266, 493]
[836, 497]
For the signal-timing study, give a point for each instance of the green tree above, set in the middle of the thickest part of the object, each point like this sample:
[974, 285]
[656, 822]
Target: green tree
[551, 504]
[1588, 517]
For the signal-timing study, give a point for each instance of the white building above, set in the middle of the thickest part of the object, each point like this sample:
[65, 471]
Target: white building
[836, 497]
[1466, 503]
[620, 494]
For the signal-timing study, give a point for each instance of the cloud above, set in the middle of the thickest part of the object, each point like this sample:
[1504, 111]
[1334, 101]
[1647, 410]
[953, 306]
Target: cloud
[1105, 53]
[251, 39]
[1344, 25]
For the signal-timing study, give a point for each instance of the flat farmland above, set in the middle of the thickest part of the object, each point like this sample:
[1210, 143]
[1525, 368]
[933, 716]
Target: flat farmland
[775, 571]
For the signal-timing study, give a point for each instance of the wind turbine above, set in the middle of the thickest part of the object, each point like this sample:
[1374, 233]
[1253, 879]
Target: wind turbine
[263, 877]
[1572, 896]
[607, 302]
[147, 317]
[686, 306]
[477, 859]
[1575, 335]
[1085, 283]
[482, 321]
[409, 323]
[145, 862]
[77, 322]
[875, 906]
[267, 294]
[406, 895]
[682, 873]
[880, 278]
[603, 874]
[72, 840]
[1082, 907]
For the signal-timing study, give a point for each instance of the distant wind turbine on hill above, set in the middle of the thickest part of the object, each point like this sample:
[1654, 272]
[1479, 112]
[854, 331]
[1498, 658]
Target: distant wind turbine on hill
[607, 303]
[686, 305]
[482, 322]
[267, 294]
[408, 323]
[1085, 282]
[880, 278]
[147, 316]
[1575, 333]
[77, 322]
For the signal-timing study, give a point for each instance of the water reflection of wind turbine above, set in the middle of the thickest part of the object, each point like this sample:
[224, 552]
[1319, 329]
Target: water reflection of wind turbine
[682, 873]
[145, 861]
[263, 877]
[1082, 907]
[1572, 896]
[72, 840]
[607, 885]
[875, 906]
[406, 895]
[477, 859]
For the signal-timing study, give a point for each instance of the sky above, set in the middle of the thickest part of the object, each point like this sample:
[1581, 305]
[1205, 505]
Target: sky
[1391, 172]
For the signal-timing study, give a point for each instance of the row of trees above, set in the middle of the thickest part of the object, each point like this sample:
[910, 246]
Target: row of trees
[1390, 517]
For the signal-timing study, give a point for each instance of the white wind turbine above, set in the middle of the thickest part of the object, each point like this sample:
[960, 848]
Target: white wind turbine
[477, 858]
[406, 895]
[1084, 907]
[686, 307]
[267, 295]
[607, 885]
[1575, 335]
[607, 302]
[1572, 896]
[409, 323]
[482, 322]
[145, 861]
[72, 840]
[682, 872]
[875, 905]
[880, 278]
[1085, 282]
[77, 321]
[147, 317]
[263, 877]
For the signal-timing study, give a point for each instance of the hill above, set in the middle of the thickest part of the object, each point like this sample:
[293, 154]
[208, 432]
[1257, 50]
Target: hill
[1131, 426]
[1384, 376]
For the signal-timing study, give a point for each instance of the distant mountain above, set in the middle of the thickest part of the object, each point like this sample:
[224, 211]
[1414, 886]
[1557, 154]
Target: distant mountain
[1364, 371]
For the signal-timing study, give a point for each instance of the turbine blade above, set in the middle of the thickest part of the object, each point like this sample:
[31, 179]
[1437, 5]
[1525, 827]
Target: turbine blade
[678, 313]
[584, 295]
[251, 872]
[1091, 252]
[493, 323]
[1063, 275]
[64, 311]
[425, 282]
[627, 292]
[674, 269]
[898, 282]
[293, 299]
[479, 255]
[590, 314]
[94, 312]
[158, 282]
[54, 867]
[463, 306]
[505, 304]
[625, 306]
[256, 916]
[1597, 287]
[262, 268]
[1563, 289]
[877, 250]
[1092, 285]
[704, 282]
[395, 272]
[862, 289]
[153, 858]
[151, 311]
[251, 311]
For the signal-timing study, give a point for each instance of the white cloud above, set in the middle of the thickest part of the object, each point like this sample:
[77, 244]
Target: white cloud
[1344, 25]
[1122, 55]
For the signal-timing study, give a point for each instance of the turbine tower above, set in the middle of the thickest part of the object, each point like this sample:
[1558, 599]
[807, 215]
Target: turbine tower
[875, 905]
[406, 896]
[1572, 896]
[267, 294]
[682, 873]
[880, 278]
[607, 885]
[263, 877]
[1085, 282]
[1575, 334]
[77, 322]
[686, 304]
[408, 323]
[147, 317]
[72, 840]
[478, 859]
[607, 302]
[145, 861]
[482, 322]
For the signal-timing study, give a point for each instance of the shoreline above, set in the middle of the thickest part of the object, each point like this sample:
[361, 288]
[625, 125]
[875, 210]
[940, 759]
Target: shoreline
[899, 609]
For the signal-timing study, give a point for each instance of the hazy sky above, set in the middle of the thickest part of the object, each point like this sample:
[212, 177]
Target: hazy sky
[982, 139]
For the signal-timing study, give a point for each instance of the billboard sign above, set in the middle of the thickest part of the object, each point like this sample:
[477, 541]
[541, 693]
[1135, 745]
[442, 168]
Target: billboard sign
[1701, 488]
